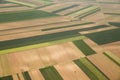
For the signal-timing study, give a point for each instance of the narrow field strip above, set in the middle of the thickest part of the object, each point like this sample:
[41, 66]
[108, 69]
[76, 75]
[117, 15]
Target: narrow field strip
[24, 15]
[40, 45]
[21, 3]
[84, 11]
[14, 9]
[50, 73]
[113, 57]
[88, 13]
[46, 5]
[90, 70]
[65, 8]
[80, 44]
[10, 6]
[78, 10]
[26, 75]
[6, 78]
[67, 26]
[112, 14]
[37, 39]
[104, 37]
[117, 24]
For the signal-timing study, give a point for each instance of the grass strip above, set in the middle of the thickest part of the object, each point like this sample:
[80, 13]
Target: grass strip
[85, 23]
[80, 44]
[24, 15]
[78, 10]
[89, 13]
[6, 78]
[65, 8]
[26, 75]
[113, 13]
[105, 37]
[110, 2]
[50, 73]
[113, 57]
[84, 11]
[46, 5]
[90, 70]
[45, 44]
[115, 24]
[21, 3]
[18, 76]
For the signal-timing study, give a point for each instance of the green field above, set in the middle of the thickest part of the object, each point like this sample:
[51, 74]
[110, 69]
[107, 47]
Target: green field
[90, 70]
[74, 25]
[105, 37]
[117, 24]
[50, 73]
[80, 44]
[26, 76]
[24, 15]
[6, 78]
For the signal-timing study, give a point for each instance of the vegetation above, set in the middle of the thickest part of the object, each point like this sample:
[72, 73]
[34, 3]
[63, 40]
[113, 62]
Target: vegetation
[104, 37]
[65, 8]
[6, 78]
[113, 57]
[84, 47]
[26, 75]
[24, 15]
[90, 70]
[115, 24]
[74, 25]
[50, 73]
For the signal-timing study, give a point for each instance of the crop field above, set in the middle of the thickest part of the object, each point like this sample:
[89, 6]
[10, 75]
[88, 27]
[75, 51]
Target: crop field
[59, 40]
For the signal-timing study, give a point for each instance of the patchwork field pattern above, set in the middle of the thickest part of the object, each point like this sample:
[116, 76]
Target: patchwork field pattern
[59, 40]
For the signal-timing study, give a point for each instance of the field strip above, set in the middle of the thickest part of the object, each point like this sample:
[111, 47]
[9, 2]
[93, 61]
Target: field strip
[89, 69]
[15, 77]
[50, 20]
[41, 27]
[38, 32]
[65, 8]
[55, 7]
[8, 4]
[94, 46]
[70, 71]
[98, 30]
[41, 45]
[11, 9]
[24, 15]
[81, 12]
[6, 78]
[50, 73]
[113, 57]
[44, 5]
[18, 2]
[26, 75]
[74, 25]
[36, 75]
[110, 69]
[81, 45]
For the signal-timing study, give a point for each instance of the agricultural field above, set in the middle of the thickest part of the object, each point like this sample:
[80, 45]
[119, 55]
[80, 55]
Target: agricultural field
[59, 40]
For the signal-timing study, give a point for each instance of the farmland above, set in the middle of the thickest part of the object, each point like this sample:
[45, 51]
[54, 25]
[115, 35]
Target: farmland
[59, 40]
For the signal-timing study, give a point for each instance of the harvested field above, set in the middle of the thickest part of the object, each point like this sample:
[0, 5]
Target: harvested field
[99, 60]
[70, 71]
[12, 9]
[113, 47]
